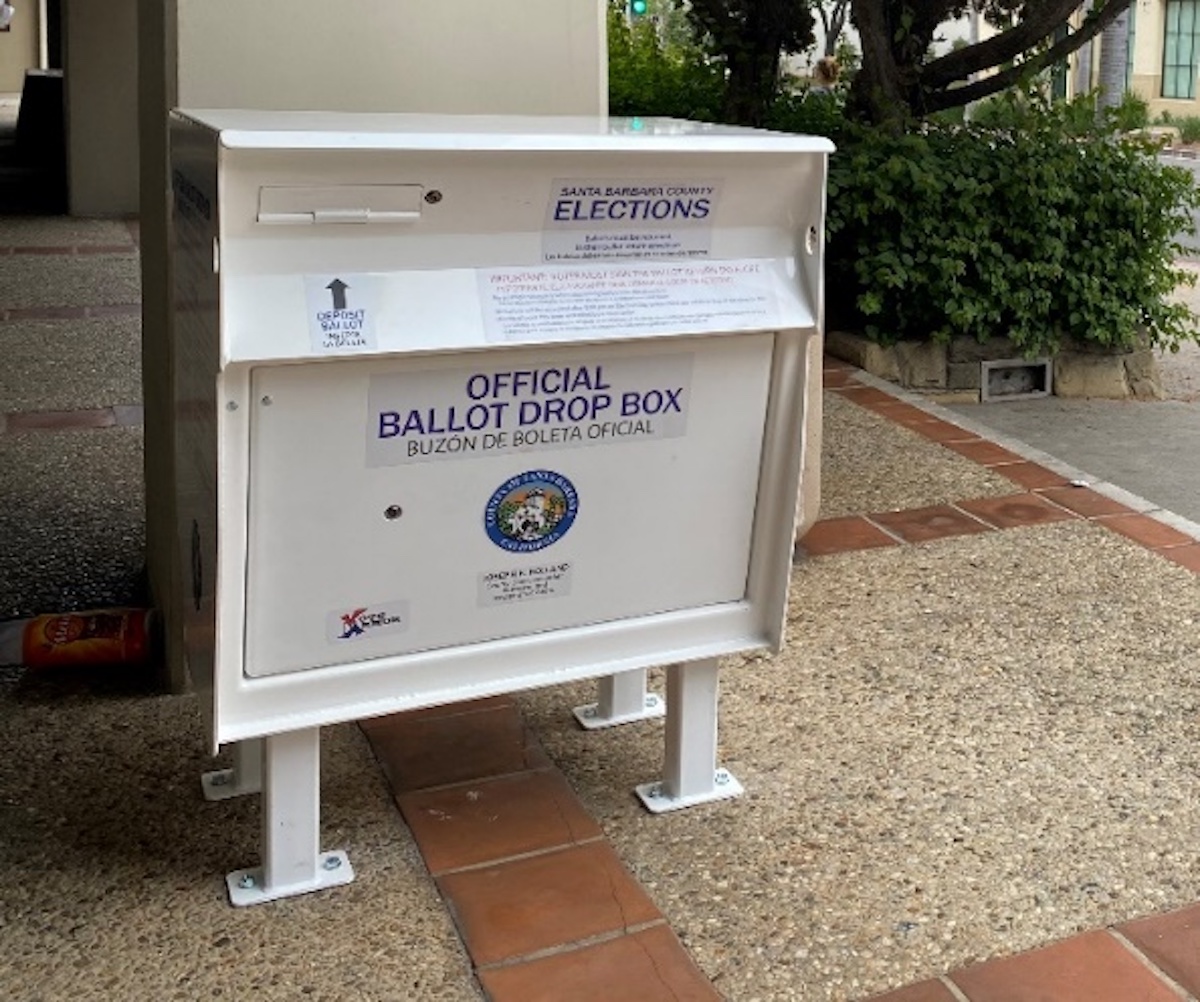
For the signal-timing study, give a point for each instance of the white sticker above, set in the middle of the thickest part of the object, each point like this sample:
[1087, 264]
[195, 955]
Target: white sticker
[343, 312]
[586, 302]
[416, 417]
[524, 584]
[621, 220]
[366, 622]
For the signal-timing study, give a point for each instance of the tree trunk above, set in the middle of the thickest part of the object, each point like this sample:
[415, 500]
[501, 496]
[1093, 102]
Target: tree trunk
[750, 87]
[1114, 45]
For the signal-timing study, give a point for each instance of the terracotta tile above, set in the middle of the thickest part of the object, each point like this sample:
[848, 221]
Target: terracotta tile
[925, 991]
[646, 966]
[867, 395]
[919, 525]
[943, 431]
[1017, 510]
[984, 453]
[1145, 530]
[1093, 967]
[102, 417]
[838, 378]
[420, 752]
[116, 310]
[41, 251]
[903, 413]
[48, 313]
[1172, 942]
[129, 415]
[441, 710]
[1085, 501]
[843, 535]
[89, 249]
[1186, 556]
[1031, 476]
[527, 905]
[496, 819]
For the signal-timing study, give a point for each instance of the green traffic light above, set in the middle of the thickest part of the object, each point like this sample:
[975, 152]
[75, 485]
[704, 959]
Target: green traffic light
[638, 8]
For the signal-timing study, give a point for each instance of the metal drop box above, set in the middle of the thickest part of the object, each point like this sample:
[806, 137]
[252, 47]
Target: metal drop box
[471, 405]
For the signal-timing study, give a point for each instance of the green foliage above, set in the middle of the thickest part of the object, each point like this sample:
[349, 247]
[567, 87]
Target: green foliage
[1045, 232]
[1189, 128]
[1132, 113]
[647, 76]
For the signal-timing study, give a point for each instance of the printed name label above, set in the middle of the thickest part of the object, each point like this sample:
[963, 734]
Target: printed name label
[453, 414]
[614, 220]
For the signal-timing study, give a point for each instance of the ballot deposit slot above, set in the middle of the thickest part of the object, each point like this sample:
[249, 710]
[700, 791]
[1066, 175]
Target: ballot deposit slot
[471, 405]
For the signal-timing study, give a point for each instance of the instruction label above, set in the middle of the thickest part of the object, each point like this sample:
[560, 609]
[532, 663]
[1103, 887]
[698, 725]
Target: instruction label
[615, 220]
[524, 584]
[343, 312]
[585, 302]
[426, 416]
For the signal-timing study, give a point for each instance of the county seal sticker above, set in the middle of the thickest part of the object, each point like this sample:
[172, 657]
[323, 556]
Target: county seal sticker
[531, 511]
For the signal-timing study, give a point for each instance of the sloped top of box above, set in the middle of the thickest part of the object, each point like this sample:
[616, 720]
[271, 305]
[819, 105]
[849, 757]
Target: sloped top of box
[318, 130]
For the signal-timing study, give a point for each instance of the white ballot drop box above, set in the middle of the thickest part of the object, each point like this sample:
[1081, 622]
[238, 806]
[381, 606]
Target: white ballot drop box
[469, 405]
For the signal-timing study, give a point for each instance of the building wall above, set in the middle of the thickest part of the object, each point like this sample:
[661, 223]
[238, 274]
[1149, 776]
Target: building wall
[483, 56]
[101, 87]
[19, 48]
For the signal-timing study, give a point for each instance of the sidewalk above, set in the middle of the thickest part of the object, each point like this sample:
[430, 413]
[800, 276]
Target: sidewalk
[982, 739]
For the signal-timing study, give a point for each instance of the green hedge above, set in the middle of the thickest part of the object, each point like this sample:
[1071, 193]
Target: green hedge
[1033, 232]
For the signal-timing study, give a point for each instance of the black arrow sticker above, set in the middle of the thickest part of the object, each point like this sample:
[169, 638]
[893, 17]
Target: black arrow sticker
[338, 288]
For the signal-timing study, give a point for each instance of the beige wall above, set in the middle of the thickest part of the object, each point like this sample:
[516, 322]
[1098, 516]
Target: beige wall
[100, 74]
[19, 47]
[519, 56]
[482, 56]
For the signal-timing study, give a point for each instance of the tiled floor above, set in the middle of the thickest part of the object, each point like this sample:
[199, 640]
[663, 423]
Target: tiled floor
[544, 905]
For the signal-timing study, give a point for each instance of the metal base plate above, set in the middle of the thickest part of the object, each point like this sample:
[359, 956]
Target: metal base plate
[222, 784]
[656, 800]
[245, 886]
[589, 715]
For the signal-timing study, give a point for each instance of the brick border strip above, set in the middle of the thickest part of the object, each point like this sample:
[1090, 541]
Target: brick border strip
[1052, 494]
[544, 906]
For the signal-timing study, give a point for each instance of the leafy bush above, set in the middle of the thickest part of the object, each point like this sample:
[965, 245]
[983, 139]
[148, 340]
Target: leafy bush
[1189, 128]
[1035, 232]
[1132, 113]
[647, 76]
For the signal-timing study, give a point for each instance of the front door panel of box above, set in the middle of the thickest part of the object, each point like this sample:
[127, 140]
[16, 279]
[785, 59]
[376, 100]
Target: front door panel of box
[402, 505]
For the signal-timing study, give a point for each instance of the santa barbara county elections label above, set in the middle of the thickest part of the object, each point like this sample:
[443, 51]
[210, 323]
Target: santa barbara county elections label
[366, 622]
[531, 511]
[343, 312]
[614, 220]
[423, 416]
[524, 584]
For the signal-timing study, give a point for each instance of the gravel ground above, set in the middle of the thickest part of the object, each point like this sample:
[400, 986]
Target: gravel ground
[966, 749]
[870, 464]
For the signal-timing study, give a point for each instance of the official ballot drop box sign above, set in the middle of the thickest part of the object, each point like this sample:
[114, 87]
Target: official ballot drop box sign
[471, 405]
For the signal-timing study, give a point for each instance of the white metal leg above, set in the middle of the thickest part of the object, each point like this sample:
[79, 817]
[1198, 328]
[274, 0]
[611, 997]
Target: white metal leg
[622, 699]
[691, 775]
[245, 776]
[291, 812]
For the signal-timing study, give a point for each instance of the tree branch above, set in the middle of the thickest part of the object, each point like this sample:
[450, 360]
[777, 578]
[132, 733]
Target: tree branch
[1039, 22]
[953, 97]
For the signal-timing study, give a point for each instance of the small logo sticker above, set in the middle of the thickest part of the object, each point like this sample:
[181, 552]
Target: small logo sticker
[531, 511]
[366, 621]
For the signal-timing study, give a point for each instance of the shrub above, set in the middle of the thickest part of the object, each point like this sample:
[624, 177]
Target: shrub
[1036, 232]
[1132, 113]
[1189, 128]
